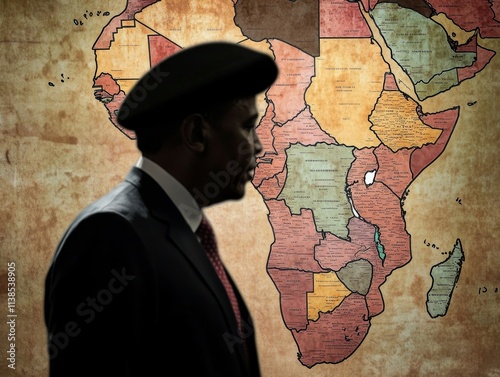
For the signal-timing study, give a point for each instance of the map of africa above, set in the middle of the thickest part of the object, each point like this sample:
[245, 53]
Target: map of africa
[343, 136]
[366, 242]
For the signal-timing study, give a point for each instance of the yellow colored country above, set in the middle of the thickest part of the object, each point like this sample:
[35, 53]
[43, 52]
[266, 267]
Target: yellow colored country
[128, 56]
[349, 77]
[189, 22]
[328, 293]
[396, 123]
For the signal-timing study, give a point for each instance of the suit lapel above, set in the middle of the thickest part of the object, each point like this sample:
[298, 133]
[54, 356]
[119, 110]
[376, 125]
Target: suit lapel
[179, 232]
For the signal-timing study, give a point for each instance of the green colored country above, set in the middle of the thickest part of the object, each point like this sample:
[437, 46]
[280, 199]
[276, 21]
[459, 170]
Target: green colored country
[316, 179]
[444, 279]
[420, 46]
[438, 84]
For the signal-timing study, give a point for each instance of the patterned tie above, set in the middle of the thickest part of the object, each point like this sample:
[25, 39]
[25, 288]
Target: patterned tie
[207, 238]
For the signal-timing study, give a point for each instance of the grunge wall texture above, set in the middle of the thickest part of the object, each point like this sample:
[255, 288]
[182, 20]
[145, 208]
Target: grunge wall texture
[58, 152]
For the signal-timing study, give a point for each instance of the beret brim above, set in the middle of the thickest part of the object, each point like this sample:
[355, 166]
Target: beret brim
[198, 75]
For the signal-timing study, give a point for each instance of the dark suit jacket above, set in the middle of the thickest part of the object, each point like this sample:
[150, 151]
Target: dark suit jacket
[131, 292]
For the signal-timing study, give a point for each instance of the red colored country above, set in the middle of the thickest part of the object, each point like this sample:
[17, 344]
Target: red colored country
[160, 47]
[335, 335]
[293, 286]
[287, 93]
[470, 15]
[445, 121]
[378, 205]
[294, 238]
[341, 19]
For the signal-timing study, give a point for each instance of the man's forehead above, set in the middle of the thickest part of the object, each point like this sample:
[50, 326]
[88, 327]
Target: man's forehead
[244, 106]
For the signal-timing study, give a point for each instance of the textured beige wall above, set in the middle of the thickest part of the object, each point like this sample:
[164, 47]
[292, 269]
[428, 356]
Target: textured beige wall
[58, 151]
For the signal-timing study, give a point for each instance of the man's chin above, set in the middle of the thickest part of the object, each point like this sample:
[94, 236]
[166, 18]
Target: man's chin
[238, 190]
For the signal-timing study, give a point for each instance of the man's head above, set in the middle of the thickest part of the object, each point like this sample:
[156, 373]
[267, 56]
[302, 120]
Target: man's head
[195, 115]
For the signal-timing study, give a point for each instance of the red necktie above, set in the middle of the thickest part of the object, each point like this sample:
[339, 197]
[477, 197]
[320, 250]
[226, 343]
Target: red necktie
[207, 238]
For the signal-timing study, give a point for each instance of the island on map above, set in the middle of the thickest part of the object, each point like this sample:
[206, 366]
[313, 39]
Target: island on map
[444, 280]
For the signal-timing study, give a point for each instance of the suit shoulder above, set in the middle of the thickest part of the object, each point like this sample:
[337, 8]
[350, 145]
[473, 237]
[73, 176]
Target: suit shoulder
[124, 201]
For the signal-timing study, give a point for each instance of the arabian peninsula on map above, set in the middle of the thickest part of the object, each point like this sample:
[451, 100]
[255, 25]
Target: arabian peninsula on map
[343, 137]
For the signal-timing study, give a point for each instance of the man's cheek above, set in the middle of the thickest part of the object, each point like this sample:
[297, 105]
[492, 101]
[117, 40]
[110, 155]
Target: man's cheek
[245, 148]
[233, 168]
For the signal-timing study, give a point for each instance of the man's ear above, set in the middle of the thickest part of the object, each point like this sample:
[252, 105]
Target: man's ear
[193, 132]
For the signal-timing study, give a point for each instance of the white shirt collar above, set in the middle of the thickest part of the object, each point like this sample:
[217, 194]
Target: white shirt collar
[181, 197]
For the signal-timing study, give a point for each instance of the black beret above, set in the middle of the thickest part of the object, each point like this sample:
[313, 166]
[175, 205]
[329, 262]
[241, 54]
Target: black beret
[196, 76]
